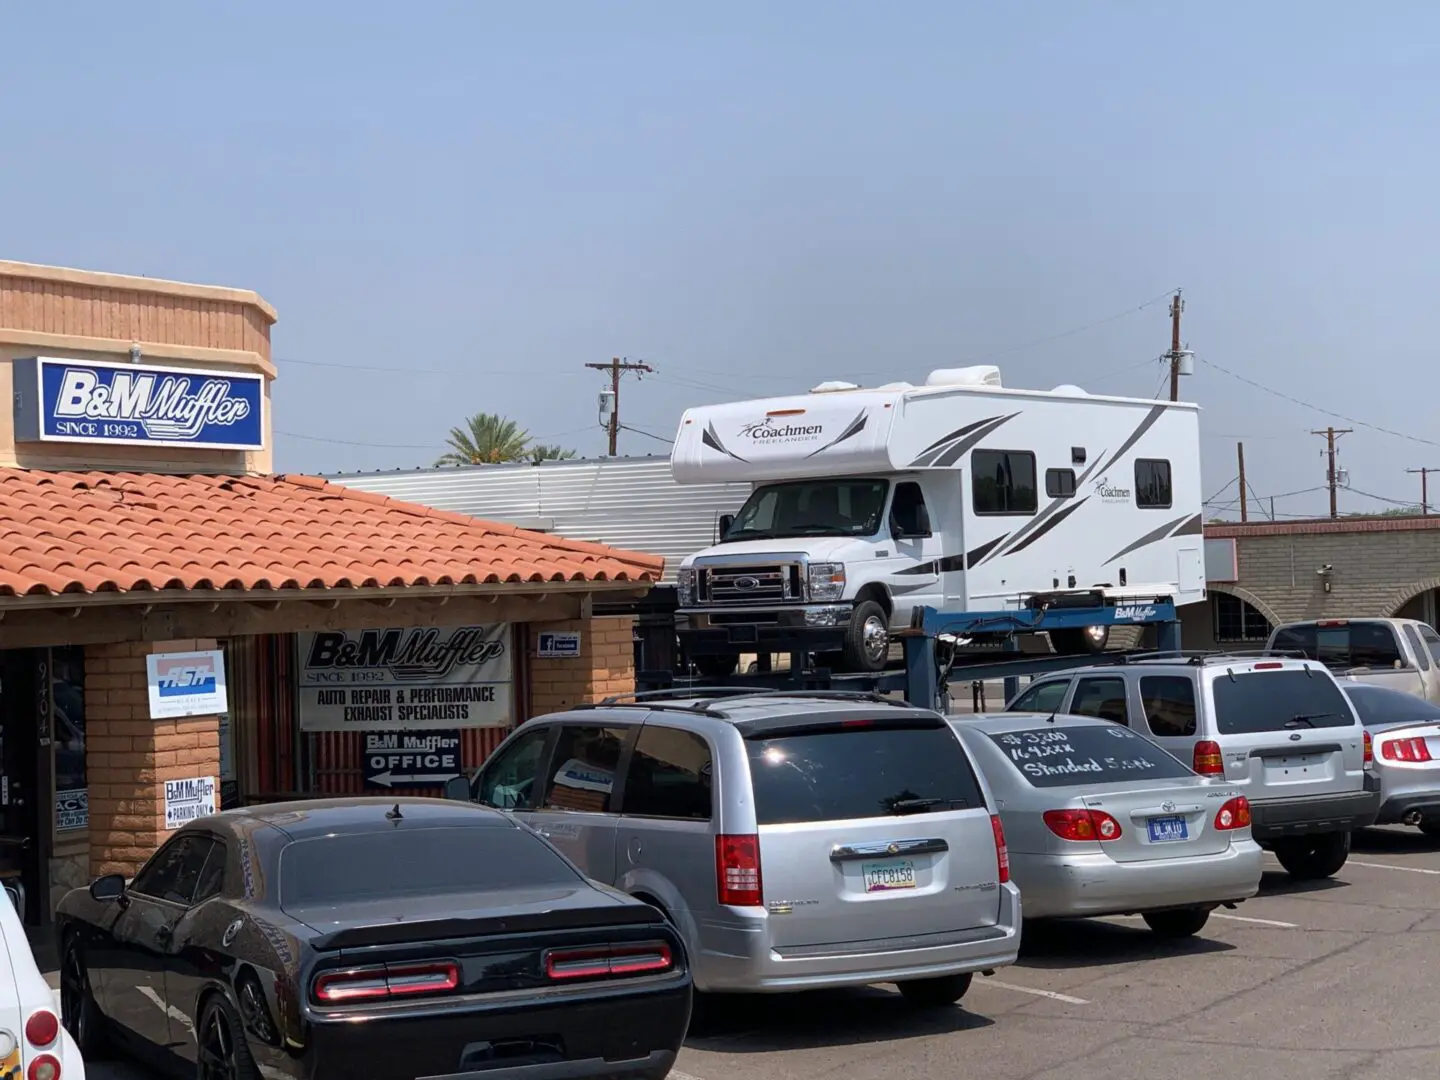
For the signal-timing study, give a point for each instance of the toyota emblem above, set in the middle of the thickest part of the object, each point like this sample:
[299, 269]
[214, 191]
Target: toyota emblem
[746, 583]
[1167, 806]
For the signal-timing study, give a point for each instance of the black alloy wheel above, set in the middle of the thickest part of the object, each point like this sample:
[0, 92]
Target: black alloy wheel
[223, 1052]
[78, 1011]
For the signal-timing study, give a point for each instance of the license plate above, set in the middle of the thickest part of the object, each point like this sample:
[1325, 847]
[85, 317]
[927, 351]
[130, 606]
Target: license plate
[1165, 829]
[888, 876]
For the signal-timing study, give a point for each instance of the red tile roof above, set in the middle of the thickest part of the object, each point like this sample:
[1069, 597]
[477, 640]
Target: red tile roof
[123, 532]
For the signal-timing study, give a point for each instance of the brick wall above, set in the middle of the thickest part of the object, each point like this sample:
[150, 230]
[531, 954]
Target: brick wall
[128, 756]
[606, 664]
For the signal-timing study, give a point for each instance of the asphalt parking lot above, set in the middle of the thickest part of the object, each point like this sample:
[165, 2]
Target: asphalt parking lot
[1314, 982]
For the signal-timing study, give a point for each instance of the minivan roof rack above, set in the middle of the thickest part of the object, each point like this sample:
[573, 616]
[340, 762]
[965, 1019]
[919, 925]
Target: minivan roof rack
[664, 699]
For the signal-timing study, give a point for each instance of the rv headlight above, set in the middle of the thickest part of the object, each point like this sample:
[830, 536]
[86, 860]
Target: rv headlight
[827, 581]
[685, 585]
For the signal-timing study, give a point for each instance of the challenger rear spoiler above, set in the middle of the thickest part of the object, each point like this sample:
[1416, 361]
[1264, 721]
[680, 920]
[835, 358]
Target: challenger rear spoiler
[404, 931]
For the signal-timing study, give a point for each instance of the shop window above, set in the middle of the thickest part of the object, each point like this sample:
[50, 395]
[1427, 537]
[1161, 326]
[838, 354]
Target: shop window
[1237, 620]
[67, 694]
[1003, 482]
[1152, 484]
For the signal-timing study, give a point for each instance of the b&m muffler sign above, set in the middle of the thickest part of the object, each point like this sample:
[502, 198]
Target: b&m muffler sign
[405, 679]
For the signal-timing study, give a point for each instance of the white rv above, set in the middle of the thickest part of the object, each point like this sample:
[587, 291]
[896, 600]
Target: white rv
[961, 495]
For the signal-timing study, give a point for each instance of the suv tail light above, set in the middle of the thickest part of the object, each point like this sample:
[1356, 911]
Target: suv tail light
[1207, 760]
[737, 870]
[1082, 825]
[1002, 851]
[609, 961]
[1369, 743]
[1415, 749]
[1235, 814]
[385, 981]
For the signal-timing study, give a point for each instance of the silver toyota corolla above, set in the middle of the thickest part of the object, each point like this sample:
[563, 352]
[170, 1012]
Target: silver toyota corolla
[1102, 821]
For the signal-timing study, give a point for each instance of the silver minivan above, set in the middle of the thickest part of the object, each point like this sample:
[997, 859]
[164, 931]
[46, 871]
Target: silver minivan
[796, 839]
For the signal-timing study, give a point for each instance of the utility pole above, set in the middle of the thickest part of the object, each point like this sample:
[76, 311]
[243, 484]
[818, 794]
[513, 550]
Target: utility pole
[1424, 489]
[1177, 305]
[1332, 478]
[1240, 455]
[616, 367]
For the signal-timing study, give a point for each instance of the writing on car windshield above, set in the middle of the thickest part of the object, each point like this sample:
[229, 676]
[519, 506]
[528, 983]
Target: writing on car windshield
[1088, 754]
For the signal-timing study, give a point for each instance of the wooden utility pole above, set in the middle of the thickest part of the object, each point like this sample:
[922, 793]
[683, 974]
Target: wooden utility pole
[1240, 456]
[616, 367]
[1332, 478]
[1177, 305]
[1424, 489]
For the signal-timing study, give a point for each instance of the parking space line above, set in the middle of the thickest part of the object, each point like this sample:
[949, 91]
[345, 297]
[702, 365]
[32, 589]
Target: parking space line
[1030, 990]
[1387, 866]
[676, 1074]
[1258, 922]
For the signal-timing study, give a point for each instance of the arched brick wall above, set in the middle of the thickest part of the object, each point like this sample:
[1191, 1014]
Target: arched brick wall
[1400, 597]
[1250, 598]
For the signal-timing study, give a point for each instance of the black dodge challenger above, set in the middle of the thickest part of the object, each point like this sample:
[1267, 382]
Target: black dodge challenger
[374, 939]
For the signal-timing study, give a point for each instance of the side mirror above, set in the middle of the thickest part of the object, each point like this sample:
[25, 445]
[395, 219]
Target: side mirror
[108, 888]
[897, 531]
[458, 788]
[726, 520]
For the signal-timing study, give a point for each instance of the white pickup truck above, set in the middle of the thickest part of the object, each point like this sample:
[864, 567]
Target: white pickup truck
[1402, 654]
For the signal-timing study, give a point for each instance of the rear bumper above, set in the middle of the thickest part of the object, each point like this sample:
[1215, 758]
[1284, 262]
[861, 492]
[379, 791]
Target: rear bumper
[1395, 808]
[1072, 886]
[1274, 819]
[738, 957]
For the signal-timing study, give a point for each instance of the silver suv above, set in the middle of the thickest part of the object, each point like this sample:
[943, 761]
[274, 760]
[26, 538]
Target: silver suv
[796, 839]
[1281, 730]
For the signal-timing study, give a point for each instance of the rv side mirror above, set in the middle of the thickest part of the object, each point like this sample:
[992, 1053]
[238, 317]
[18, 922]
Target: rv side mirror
[458, 788]
[726, 520]
[897, 531]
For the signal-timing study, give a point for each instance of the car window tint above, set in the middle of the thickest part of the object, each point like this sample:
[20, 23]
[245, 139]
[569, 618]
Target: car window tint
[1169, 703]
[841, 773]
[412, 862]
[212, 878]
[1042, 697]
[174, 871]
[1247, 703]
[1373, 644]
[1422, 655]
[1087, 754]
[508, 780]
[1103, 698]
[1297, 639]
[669, 776]
[1379, 706]
[1432, 639]
[909, 511]
[582, 769]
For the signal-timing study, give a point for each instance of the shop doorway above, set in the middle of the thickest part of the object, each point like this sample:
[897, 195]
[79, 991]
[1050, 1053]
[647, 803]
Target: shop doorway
[25, 713]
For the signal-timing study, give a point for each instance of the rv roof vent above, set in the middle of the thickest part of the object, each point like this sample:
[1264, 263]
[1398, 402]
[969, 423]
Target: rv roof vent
[896, 386]
[979, 375]
[833, 386]
[1069, 388]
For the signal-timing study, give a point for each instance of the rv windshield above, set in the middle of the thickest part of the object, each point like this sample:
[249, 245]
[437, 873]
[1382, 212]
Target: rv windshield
[811, 508]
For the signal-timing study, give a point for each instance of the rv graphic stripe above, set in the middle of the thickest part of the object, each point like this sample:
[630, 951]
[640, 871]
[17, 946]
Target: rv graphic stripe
[1149, 538]
[1055, 520]
[1145, 425]
[946, 565]
[974, 556]
[1045, 515]
[957, 433]
[1191, 526]
[960, 449]
[948, 450]
[851, 430]
[712, 440]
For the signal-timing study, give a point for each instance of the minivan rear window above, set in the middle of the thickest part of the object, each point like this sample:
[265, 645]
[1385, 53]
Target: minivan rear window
[859, 772]
[1085, 754]
[1247, 703]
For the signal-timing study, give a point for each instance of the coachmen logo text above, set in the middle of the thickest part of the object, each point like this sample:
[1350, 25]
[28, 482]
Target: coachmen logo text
[768, 431]
[1108, 492]
[164, 405]
[413, 656]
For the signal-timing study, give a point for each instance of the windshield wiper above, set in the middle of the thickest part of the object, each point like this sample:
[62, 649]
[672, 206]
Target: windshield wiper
[1307, 719]
[911, 806]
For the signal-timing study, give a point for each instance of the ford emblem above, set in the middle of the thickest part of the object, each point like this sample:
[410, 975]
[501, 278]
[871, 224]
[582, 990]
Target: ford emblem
[1295, 736]
[746, 583]
[893, 849]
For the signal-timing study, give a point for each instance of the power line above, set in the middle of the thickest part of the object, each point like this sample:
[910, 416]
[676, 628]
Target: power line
[409, 446]
[649, 434]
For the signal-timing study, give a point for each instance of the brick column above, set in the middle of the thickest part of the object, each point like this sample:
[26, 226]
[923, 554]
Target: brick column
[606, 664]
[128, 756]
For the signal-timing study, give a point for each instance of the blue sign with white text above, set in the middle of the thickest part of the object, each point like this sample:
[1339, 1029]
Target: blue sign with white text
[86, 401]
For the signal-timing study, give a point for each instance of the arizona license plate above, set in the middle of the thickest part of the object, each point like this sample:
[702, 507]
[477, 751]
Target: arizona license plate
[1165, 829]
[889, 875]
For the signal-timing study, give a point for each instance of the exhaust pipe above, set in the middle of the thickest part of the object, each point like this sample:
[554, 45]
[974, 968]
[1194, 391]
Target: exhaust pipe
[1412, 817]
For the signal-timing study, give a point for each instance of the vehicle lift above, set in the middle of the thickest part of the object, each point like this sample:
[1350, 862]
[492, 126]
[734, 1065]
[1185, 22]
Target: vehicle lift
[935, 654]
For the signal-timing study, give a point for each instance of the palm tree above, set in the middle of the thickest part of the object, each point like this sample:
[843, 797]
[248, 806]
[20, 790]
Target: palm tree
[486, 439]
[542, 452]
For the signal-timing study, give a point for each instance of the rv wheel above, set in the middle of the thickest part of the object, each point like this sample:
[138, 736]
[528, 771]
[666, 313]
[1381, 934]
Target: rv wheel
[867, 642]
[1088, 640]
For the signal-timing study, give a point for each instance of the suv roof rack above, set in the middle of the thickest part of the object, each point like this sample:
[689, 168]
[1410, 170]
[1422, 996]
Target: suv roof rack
[1200, 657]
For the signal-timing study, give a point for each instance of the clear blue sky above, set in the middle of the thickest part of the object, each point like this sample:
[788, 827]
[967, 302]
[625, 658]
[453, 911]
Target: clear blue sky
[753, 196]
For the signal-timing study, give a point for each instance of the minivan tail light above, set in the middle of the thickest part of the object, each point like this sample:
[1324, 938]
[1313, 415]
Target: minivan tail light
[608, 961]
[1082, 825]
[1002, 852]
[1235, 814]
[737, 870]
[1207, 760]
[386, 981]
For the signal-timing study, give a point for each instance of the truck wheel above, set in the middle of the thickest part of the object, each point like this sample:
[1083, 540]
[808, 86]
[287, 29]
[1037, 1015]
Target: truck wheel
[1086, 641]
[1310, 858]
[867, 641]
[717, 667]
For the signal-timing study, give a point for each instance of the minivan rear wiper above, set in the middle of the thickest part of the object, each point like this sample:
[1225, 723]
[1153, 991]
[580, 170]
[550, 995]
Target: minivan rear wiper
[911, 806]
[1307, 719]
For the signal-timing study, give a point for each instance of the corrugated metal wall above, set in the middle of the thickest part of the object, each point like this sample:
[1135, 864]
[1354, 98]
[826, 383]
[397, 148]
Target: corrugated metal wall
[630, 503]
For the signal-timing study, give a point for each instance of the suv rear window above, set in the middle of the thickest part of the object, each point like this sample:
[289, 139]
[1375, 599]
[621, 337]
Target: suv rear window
[1292, 699]
[841, 773]
[1090, 754]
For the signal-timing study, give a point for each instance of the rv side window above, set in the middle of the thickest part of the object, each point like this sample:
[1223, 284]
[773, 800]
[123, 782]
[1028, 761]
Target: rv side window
[1003, 482]
[908, 512]
[1152, 484]
[1059, 483]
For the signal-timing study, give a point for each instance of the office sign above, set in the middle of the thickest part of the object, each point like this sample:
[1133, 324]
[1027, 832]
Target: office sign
[91, 401]
[186, 684]
[557, 644]
[188, 800]
[402, 759]
[410, 679]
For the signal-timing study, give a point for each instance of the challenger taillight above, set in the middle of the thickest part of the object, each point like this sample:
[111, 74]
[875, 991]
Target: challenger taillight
[608, 961]
[384, 982]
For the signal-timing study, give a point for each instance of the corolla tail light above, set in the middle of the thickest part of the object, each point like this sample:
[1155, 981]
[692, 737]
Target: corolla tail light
[1235, 814]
